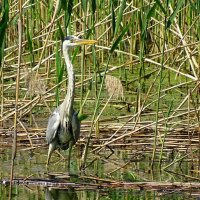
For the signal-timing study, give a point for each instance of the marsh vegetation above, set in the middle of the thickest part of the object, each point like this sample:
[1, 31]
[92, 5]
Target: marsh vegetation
[137, 92]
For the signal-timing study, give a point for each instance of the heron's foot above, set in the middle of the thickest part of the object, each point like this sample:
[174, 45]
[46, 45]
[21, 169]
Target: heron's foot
[73, 175]
[47, 167]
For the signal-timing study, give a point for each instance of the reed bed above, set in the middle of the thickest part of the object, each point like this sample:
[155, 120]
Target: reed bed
[150, 48]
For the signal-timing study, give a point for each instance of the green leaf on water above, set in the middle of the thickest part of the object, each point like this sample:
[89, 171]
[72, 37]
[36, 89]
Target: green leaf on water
[82, 117]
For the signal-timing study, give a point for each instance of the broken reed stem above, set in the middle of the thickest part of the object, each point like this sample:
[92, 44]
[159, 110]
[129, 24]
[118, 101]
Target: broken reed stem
[191, 58]
[29, 138]
[185, 99]
[14, 146]
[97, 118]
[86, 98]
[179, 159]
[36, 99]
[140, 128]
[184, 44]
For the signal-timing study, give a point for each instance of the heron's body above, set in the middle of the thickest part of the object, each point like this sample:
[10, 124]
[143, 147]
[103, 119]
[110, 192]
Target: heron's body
[59, 137]
[63, 129]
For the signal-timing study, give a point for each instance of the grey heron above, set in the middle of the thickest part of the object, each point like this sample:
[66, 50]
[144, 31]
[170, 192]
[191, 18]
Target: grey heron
[63, 129]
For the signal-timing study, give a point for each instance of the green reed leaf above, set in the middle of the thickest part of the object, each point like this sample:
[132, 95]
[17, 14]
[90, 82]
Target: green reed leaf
[57, 61]
[94, 6]
[173, 15]
[59, 72]
[60, 32]
[151, 11]
[144, 21]
[118, 40]
[69, 11]
[30, 46]
[120, 14]
[3, 27]
[84, 5]
[161, 7]
[113, 17]
[63, 4]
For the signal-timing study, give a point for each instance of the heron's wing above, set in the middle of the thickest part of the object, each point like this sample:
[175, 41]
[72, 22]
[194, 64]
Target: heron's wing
[75, 127]
[53, 126]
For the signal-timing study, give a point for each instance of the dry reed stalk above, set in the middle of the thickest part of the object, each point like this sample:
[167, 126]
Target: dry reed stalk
[29, 138]
[186, 98]
[32, 102]
[51, 25]
[35, 100]
[151, 61]
[1, 94]
[137, 115]
[14, 146]
[102, 110]
[191, 58]
[140, 128]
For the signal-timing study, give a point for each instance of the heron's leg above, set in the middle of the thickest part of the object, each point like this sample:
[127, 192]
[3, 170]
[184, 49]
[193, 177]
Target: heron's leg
[69, 157]
[51, 149]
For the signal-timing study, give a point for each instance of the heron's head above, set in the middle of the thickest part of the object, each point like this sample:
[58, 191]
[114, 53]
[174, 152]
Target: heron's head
[71, 41]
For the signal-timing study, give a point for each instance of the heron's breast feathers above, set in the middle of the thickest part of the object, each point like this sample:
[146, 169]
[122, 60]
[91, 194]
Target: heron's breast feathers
[53, 126]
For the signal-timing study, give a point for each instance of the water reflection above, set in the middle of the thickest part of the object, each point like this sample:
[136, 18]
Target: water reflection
[60, 194]
[97, 170]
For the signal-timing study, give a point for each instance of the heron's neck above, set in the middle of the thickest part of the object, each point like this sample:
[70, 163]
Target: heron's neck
[67, 104]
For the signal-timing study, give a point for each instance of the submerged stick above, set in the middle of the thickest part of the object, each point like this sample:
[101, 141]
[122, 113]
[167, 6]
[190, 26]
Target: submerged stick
[106, 184]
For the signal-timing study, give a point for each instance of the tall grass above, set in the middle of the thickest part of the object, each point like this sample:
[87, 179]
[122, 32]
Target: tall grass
[153, 48]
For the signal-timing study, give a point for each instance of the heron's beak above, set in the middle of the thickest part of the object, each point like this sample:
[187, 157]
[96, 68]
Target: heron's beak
[83, 41]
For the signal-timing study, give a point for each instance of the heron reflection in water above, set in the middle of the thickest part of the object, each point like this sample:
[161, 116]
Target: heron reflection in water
[63, 129]
[60, 194]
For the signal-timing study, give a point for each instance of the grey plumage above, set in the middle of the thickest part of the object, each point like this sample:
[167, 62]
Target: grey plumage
[56, 133]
